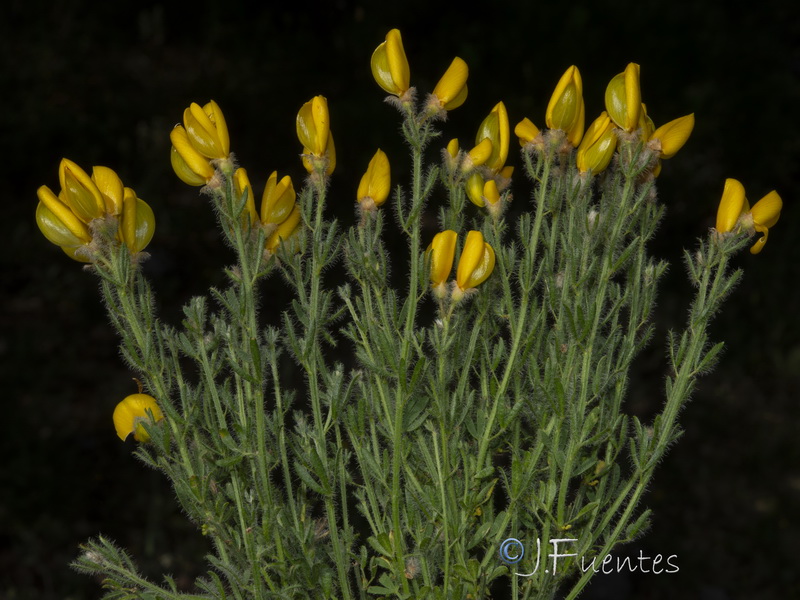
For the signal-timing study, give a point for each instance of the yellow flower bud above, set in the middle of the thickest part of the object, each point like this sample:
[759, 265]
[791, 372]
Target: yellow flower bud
[390, 65]
[207, 130]
[491, 194]
[765, 214]
[624, 98]
[598, 145]
[111, 189]
[284, 230]
[442, 252]
[476, 262]
[138, 223]
[673, 135]
[496, 129]
[451, 91]
[80, 193]
[376, 182]
[731, 206]
[132, 412]
[566, 110]
[526, 131]
[189, 165]
[453, 148]
[278, 199]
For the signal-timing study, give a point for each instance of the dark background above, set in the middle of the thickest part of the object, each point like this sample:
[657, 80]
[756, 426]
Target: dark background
[104, 84]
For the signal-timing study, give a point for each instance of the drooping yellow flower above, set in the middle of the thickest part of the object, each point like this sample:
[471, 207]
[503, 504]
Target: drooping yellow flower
[442, 252]
[206, 130]
[731, 206]
[132, 412]
[451, 90]
[390, 65]
[373, 190]
[598, 145]
[137, 222]
[314, 133]
[475, 265]
[526, 131]
[624, 98]
[673, 135]
[278, 200]
[764, 214]
[566, 110]
[285, 229]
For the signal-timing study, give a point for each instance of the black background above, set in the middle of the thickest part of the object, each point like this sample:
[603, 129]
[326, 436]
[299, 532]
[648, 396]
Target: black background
[103, 83]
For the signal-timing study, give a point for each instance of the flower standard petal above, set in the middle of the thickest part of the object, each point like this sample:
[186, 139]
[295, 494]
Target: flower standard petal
[526, 131]
[731, 206]
[242, 185]
[442, 251]
[471, 258]
[566, 104]
[207, 130]
[138, 222]
[451, 90]
[624, 98]
[375, 183]
[80, 193]
[58, 212]
[278, 199]
[390, 66]
[111, 188]
[189, 165]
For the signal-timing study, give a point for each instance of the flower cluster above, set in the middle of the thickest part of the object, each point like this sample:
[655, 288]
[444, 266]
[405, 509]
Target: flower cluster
[91, 211]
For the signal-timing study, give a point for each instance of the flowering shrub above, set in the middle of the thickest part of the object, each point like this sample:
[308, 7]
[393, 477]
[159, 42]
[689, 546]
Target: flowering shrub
[482, 407]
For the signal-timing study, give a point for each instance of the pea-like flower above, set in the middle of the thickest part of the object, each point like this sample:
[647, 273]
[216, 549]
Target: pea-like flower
[132, 412]
[624, 98]
[242, 186]
[442, 252]
[670, 137]
[278, 200]
[734, 212]
[475, 265]
[137, 222]
[79, 192]
[598, 145]
[314, 133]
[375, 183]
[451, 90]
[390, 65]
[566, 110]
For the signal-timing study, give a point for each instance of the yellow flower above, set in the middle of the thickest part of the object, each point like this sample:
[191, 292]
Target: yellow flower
[314, 133]
[566, 110]
[189, 165]
[526, 131]
[764, 214]
[624, 98]
[376, 182]
[731, 206]
[390, 65]
[207, 130]
[110, 187]
[241, 184]
[495, 128]
[58, 223]
[132, 412]
[734, 211]
[278, 200]
[137, 222]
[673, 135]
[475, 265]
[597, 146]
[451, 91]
[478, 156]
[442, 251]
